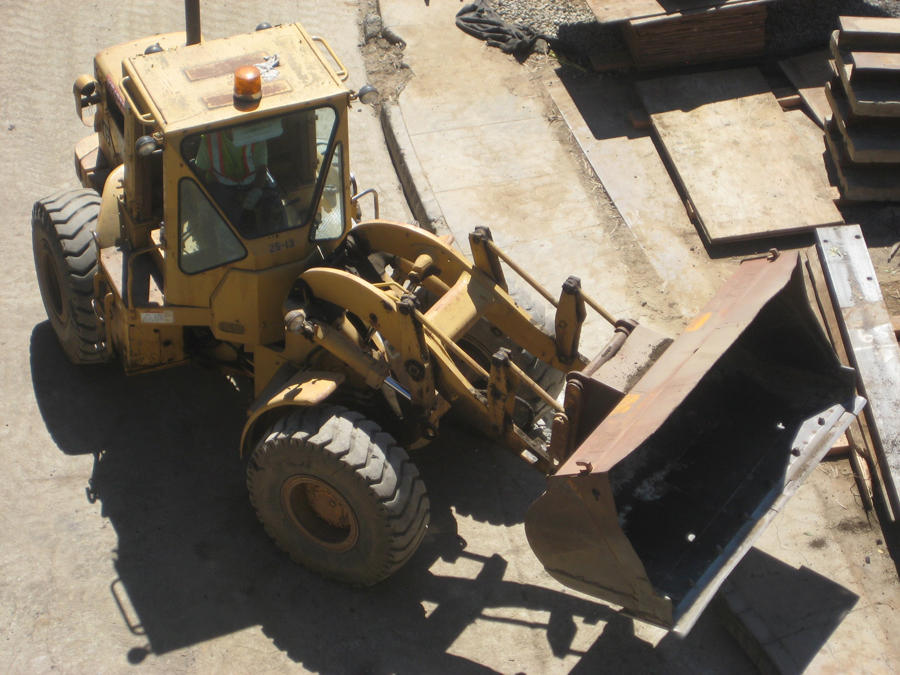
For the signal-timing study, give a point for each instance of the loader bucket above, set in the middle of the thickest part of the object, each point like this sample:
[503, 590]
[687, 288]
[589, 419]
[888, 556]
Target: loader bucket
[659, 503]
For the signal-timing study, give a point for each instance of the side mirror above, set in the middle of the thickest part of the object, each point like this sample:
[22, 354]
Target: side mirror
[87, 96]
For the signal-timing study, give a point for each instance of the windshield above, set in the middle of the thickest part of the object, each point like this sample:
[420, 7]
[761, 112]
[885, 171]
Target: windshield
[265, 176]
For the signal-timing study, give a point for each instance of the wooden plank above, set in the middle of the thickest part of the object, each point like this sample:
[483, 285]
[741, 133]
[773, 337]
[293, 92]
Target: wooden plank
[866, 66]
[713, 35]
[790, 102]
[862, 182]
[811, 137]
[876, 34]
[598, 112]
[867, 98]
[736, 157]
[739, 14]
[876, 64]
[615, 11]
[871, 345]
[809, 73]
[864, 142]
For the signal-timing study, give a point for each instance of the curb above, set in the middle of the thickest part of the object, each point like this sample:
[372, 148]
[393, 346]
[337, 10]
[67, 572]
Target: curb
[416, 187]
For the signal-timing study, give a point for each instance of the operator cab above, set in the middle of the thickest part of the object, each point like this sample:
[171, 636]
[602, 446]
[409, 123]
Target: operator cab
[215, 203]
[259, 179]
[214, 184]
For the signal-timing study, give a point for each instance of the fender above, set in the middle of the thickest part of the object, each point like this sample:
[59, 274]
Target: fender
[305, 389]
[108, 230]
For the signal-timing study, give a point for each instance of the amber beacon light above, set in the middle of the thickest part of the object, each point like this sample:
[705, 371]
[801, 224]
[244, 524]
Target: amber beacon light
[247, 84]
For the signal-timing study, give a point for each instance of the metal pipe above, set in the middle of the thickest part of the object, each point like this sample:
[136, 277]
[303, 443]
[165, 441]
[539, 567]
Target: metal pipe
[371, 191]
[192, 21]
[623, 330]
[536, 388]
[543, 291]
[534, 283]
[590, 302]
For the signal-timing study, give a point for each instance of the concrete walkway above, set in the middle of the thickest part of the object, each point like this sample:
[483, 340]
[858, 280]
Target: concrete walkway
[495, 154]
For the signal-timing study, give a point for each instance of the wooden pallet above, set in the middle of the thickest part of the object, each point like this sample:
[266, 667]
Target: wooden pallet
[717, 34]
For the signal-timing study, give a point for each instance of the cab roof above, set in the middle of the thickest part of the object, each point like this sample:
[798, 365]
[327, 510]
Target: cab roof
[192, 86]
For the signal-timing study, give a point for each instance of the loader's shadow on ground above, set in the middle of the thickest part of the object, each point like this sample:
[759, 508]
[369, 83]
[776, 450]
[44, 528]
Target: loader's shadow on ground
[194, 564]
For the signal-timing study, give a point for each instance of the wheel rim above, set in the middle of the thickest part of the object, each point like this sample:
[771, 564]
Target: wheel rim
[320, 512]
[51, 282]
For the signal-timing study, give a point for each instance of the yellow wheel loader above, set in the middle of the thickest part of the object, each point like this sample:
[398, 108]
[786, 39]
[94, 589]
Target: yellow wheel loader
[217, 223]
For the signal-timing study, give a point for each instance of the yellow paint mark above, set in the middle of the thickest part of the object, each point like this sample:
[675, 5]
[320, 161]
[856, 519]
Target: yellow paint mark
[698, 322]
[625, 404]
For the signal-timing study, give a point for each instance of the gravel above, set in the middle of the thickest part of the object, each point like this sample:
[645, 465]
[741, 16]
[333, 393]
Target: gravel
[792, 26]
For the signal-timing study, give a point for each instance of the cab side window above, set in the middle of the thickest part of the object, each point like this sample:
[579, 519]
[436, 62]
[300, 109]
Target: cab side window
[329, 222]
[205, 239]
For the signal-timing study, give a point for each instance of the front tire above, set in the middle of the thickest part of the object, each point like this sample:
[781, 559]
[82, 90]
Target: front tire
[338, 495]
[65, 258]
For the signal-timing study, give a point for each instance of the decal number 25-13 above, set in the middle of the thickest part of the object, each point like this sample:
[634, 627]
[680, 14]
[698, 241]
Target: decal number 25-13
[277, 246]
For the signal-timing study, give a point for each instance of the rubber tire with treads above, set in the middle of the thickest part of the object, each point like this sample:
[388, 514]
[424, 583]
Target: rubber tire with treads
[65, 258]
[372, 476]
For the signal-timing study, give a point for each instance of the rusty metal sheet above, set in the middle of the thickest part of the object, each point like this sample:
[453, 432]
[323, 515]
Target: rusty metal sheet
[685, 362]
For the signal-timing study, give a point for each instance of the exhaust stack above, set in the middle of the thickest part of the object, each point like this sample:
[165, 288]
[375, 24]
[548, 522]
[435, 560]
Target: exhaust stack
[192, 21]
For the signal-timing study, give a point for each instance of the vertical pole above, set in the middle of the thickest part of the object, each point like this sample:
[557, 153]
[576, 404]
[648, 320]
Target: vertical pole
[192, 21]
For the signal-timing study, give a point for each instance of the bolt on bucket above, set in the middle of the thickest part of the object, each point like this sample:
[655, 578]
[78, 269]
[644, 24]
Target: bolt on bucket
[661, 500]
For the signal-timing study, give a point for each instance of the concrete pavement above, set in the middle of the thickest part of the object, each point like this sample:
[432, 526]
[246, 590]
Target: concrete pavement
[494, 153]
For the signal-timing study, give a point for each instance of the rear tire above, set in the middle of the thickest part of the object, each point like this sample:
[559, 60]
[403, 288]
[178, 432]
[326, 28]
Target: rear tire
[338, 495]
[65, 258]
